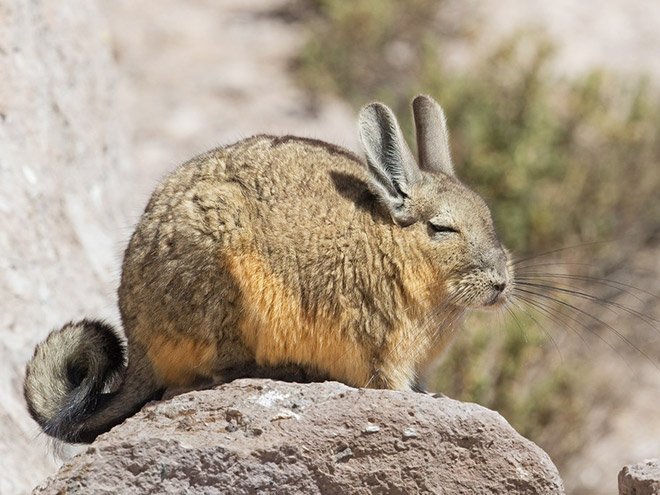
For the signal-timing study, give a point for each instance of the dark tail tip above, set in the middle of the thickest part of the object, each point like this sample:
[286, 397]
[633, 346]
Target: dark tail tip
[66, 378]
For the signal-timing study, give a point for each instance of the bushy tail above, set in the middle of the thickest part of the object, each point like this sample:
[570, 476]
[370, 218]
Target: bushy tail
[78, 385]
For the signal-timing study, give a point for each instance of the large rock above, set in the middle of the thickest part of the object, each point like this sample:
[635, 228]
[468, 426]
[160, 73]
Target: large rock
[642, 478]
[62, 160]
[261, 436]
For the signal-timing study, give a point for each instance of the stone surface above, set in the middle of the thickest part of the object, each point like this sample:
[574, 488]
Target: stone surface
[261, 436]
[640, 479]
[61, 215]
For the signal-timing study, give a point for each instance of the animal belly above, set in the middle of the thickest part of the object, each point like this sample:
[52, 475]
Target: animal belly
[317, 347]
[278, 330]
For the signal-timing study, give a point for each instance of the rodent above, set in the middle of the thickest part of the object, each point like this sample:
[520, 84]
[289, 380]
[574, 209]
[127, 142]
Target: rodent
[278, 251]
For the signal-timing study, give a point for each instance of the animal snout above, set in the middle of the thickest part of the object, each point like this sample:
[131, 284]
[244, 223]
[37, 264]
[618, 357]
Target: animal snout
[494, 258]
[496, 293]
[498, 283]
[499, 286]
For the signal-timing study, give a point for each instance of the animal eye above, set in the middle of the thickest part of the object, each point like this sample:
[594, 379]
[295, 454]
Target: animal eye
[438, 228]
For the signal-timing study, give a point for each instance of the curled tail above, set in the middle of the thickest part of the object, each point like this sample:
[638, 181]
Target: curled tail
[78, 385]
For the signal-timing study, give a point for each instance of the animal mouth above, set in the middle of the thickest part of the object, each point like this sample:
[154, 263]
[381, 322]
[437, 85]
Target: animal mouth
[498, 296]
[495, 300]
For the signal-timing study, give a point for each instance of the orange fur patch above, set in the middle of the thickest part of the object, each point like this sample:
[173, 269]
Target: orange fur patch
[275, 327]
[181, 361]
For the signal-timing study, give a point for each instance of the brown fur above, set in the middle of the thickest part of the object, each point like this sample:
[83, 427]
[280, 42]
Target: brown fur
[280, 251]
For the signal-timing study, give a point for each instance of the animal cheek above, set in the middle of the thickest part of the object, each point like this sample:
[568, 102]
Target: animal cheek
[452, 254]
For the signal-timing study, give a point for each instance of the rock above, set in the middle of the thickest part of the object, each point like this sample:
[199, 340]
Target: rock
[642, 478]
[62, 158]
[262, 436]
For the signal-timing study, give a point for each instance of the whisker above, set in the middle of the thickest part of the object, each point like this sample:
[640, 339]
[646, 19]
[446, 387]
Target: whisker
[547, 310]
[546, 332]
[515, 318]
[559, 263]
[590, 297]
[371, 379]
[558, 250]
[614, 284]
[501, 319]
[610, 327]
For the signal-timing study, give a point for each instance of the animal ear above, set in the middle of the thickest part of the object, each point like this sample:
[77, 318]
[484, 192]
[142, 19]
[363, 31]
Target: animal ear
[391, 164]
[432, 136]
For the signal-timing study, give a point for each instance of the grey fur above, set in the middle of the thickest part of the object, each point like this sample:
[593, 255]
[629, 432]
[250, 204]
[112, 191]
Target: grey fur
[391, 163]
[432, 136]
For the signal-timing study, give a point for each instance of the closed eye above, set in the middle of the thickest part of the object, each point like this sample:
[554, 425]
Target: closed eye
[439, 228]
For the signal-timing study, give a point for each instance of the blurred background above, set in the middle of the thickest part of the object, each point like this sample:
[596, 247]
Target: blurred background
[554, 115]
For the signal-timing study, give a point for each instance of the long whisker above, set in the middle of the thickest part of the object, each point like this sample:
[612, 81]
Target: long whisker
[546, 332]
[548, 310]
[614, 284]
[515, 318]
[610, 327]
[592, 266]
[590, 297]
[558, 250]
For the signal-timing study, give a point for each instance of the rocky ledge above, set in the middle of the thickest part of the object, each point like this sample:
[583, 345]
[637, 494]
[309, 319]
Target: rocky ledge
[263, 436]
[642, 478]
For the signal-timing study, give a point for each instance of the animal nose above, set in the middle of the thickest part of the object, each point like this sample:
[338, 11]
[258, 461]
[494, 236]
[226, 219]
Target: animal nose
[499, 286]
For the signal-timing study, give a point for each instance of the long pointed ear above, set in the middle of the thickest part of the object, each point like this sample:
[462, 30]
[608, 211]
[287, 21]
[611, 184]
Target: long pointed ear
[391, 164]
[432, 136]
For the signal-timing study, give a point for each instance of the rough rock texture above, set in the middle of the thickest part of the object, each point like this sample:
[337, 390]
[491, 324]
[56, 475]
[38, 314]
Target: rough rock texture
[61, 151]
[261, 436]
[640, 479]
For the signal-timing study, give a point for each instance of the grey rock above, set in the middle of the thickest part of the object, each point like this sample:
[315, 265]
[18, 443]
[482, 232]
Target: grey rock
[642, 478]
[294, 438]
[62, 152]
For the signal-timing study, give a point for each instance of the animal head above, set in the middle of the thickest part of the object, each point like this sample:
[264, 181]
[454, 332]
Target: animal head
[451, 224]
